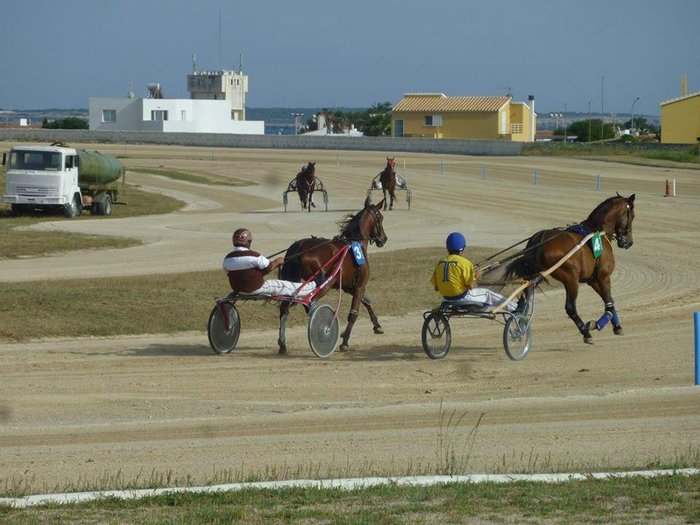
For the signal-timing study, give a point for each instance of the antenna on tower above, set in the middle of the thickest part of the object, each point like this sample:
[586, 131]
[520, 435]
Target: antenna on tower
[194, 62]
[221, 66]
[240, 63]
[131, 90]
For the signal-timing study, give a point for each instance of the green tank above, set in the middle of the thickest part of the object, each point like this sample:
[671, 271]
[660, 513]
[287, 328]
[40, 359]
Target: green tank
[96, 170]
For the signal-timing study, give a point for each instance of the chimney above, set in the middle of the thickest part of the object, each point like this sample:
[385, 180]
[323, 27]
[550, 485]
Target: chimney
[531, 98]
[684, 85]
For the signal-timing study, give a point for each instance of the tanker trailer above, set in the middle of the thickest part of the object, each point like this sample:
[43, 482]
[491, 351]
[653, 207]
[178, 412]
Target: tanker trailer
[61, 177]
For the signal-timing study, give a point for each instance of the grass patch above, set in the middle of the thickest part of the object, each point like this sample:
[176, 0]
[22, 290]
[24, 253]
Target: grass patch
[181, 302]
[17, 241]
[618, 151]
[199, 178]
[668, 499]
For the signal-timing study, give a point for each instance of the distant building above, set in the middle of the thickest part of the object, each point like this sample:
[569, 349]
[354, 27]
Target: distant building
[680, 120]
[435, 115]
[216, 105]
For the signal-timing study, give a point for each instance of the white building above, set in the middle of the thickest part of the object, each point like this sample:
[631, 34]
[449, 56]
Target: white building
[217, 105]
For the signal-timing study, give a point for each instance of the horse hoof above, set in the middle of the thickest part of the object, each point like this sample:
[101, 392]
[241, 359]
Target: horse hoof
[378, 330]
[591, 325]
[588, 340]
[618, 330]
[343, 348]
[283, 350]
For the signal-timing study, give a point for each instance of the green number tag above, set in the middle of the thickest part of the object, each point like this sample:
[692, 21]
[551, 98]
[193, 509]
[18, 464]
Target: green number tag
[597, 245]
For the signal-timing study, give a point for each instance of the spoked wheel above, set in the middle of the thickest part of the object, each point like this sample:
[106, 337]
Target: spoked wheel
[517, 336]
[224, 328]
[436, 335]
[324, 330]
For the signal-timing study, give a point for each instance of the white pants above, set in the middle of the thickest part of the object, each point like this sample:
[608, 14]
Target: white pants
[485, 297]
[280, 287]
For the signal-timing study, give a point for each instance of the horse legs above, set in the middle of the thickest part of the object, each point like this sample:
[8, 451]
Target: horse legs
[352, 317]
[602, 287]
[375, 322]
[391, 203]
[284, 315]
[384, 193]
[571, 286]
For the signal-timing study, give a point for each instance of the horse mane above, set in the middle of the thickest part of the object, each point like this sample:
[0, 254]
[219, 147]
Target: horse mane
[595, 218]
[350, 224]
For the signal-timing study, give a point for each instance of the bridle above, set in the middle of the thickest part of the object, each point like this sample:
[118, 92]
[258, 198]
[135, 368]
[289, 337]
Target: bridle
[623, 236]
[377, 217]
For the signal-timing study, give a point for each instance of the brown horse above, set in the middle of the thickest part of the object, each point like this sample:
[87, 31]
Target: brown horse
[305, 257]
[388, 180]
[306, 182]
[613, 218]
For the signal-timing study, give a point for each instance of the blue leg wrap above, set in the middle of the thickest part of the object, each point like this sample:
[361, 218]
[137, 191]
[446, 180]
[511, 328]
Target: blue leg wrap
[604, 319]
[615, 319]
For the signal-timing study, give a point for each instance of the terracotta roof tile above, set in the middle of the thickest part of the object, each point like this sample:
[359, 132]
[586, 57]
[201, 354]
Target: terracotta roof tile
[431, 102]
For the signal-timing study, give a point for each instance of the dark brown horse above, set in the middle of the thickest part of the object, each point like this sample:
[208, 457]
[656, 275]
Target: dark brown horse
[388, 180]
[305, 257]
[306, 182]
[613, 218]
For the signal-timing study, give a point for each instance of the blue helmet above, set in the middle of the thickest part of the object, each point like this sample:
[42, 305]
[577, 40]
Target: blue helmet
[455, 242]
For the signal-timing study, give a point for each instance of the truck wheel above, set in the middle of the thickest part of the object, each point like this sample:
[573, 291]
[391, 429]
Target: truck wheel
[17, 209]
[74, 208]
[104, 207]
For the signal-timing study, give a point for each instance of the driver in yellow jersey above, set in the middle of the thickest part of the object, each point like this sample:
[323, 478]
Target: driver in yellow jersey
[455, 277]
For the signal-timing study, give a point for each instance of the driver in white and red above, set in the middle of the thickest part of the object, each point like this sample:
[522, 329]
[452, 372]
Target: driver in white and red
[246, 270]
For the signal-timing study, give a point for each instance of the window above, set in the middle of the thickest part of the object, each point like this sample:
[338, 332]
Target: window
[433, 120]
[504, 122]
[109, 115]
[398, 128]
[516, 128]
[159, 114]
[183, 115]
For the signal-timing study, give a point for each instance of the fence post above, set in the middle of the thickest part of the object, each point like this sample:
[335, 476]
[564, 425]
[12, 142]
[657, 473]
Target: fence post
[483, 171]
[337, 159]
[537, 177]
[442, 167]
[696, 317]
[597, 182]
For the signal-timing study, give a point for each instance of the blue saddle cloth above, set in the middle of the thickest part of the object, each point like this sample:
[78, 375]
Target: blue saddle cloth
[580, 229]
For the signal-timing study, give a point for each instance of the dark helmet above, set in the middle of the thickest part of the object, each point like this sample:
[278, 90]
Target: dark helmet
[242, 237]
[455, 242]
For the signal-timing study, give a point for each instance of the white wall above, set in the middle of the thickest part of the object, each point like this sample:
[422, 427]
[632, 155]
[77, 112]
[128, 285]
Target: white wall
[201, 116]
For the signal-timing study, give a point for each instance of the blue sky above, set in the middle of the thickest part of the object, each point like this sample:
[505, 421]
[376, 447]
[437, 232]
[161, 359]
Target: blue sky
[355, 53]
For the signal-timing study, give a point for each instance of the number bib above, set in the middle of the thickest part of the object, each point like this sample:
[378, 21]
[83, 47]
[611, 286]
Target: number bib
[597, 245]
[357, 252]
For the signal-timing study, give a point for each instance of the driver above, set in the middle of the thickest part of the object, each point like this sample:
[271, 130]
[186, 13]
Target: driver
[455, 277]
[246, 270]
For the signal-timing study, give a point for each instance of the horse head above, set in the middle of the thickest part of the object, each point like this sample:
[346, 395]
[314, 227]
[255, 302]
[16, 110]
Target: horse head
[614, 216]
[370, 223]
[623, 223]
[390, 162]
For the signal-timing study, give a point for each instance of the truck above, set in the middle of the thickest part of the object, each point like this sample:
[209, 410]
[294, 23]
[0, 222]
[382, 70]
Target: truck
[62, 178]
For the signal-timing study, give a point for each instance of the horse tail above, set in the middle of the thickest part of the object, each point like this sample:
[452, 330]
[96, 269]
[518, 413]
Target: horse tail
[529, 263]
[291, 269]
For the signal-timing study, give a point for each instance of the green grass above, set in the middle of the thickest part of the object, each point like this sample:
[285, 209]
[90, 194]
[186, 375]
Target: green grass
[615, 150]
[669, 499]
[199, 178]
[182, 302]
[17, 241]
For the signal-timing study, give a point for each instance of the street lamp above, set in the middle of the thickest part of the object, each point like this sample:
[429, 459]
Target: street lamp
[296, 116]
[632, 123]
[556, 116]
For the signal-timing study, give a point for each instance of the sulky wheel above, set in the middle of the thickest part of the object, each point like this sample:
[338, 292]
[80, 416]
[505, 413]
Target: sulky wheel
[517, 336]
[436, 335]
[224, 328]
[324, 330]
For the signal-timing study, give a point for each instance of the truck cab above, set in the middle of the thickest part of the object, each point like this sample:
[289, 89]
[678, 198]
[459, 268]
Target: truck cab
[41, 177]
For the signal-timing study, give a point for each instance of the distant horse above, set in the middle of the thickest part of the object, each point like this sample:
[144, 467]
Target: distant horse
[305, 257]
[613, 218]
[388, 181]
[306, 182]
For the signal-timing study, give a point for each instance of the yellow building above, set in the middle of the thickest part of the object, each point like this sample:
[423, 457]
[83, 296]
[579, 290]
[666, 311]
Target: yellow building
[435, 115]
[680, 120]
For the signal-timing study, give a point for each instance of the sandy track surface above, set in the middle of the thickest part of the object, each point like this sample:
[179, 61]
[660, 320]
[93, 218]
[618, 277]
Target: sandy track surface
[76, 410]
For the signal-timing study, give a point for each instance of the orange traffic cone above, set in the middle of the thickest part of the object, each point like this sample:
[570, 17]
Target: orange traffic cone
[670, 188]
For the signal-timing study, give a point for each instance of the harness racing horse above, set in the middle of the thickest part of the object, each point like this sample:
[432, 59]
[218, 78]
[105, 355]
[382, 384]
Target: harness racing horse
[305, 257]
[306, 181]
[613, 218]
[388, 181]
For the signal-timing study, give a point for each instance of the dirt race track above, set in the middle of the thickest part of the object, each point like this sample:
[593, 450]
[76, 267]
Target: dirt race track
[76, 411]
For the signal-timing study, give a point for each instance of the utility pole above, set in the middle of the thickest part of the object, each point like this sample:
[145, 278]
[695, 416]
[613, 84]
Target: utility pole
[602, 109]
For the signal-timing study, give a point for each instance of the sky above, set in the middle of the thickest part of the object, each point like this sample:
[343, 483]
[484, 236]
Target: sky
[571, 56]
